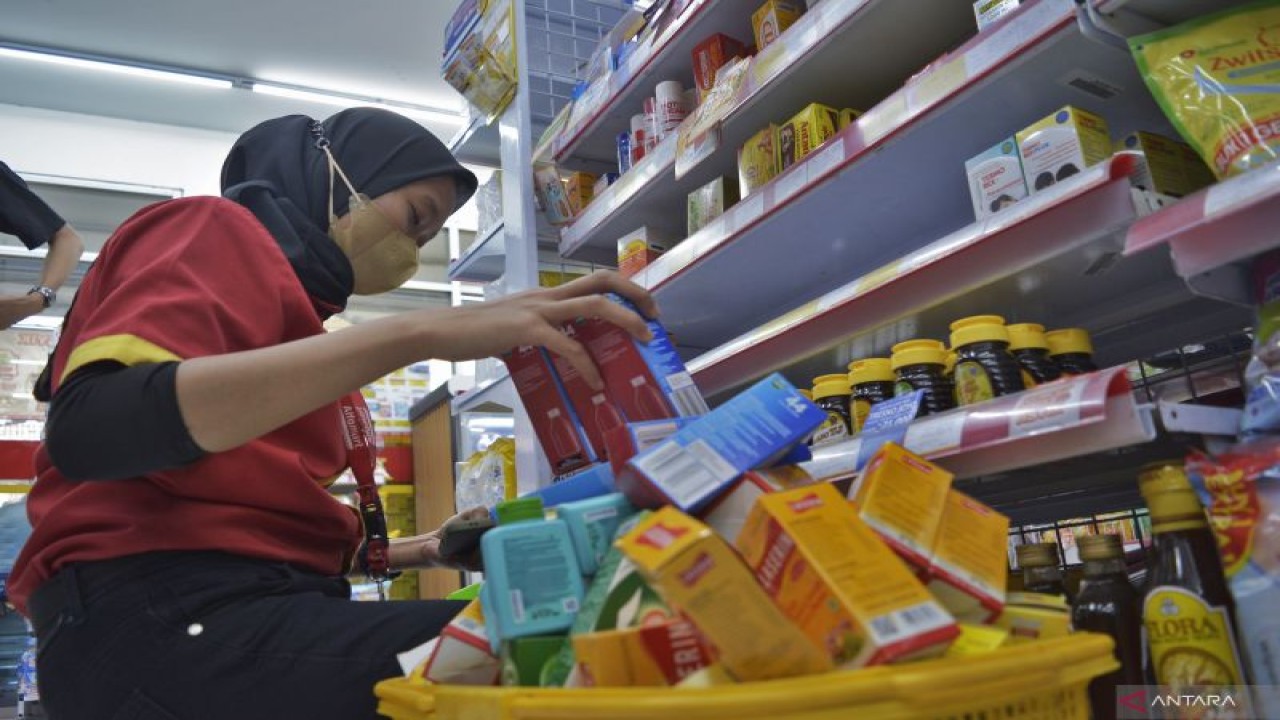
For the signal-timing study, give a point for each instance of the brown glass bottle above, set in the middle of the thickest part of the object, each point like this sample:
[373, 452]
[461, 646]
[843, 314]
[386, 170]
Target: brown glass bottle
[1187, 610]
[1041, 572]
[984, 367]
[920, 365]
[1030, 348]
[871, 383]
[831, 394]
[1107, 603]
[1071, 350]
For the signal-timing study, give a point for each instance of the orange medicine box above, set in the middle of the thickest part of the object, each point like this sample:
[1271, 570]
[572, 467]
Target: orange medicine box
[638, 249]
[902, 497]
[661, 654]
[772, 19]
[709, 56]
[758, 160]
[805, 132]
[691, 567]
[838, 582]
[970, 566]
[580, 188]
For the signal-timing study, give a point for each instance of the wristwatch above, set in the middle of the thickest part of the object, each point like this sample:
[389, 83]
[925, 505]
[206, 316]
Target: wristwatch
[47, 294]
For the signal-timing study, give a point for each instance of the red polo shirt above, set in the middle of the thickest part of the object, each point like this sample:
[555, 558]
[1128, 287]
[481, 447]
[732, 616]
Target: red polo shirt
[183, 279]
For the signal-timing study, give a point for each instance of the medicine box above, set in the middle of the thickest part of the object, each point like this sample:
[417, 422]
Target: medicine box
[692, 568]
[1168, 166]
[728, 513]
[555, 424]
[651, 655]
[805, 132]
[710, 201]
[1061, 145]
[701, 461]
[709, 56]
[969, 569]
[902, 497]
[838, 582]
[580, 188]
[593, 408]
[987, 12]
[995, 178]
[772, 19]
[638, 248]
[758, 160]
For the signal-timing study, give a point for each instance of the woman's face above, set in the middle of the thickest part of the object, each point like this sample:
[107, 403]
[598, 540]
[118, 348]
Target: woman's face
[419, 209]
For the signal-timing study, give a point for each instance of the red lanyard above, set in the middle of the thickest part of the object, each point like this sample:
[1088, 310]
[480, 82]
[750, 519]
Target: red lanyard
[357, 427]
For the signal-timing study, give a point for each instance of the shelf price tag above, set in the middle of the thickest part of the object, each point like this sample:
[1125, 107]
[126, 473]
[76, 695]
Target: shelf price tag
[790, 184]
[1242, 190]
[1047, 408]
[935, 433]
[887, 422]
[936, 83]
[827, 159]
[748, 211]
[883, 118]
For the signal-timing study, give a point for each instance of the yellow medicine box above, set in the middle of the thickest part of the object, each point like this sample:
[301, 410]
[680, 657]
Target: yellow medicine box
[838, 582]
[772, 19]
[803, 133]
[758, 160]
[1062, 145]
[692, 568]
[1169, 167]
[970, 566]
[902, 497]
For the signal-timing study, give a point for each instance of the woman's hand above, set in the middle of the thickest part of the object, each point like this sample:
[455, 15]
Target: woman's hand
[535, 318]
[423, 551]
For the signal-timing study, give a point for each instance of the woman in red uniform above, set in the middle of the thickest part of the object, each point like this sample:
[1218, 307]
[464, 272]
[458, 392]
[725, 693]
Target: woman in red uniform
[186, 559]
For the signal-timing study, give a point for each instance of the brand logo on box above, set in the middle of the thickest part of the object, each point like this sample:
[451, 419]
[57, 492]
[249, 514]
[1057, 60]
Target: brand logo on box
[805, 504]
[660, 536]
[700, 567]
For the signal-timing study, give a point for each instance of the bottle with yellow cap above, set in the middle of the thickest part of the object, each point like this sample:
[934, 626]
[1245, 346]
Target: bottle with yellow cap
[1030, 348]
[831, 393]
[1108, 604]
[984, 367]
[1071, 350]
[1187, 610]
[1041, 572]
[871, 383]
[921, 365]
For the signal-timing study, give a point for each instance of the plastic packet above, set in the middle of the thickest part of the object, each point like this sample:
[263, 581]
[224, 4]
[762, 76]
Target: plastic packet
[1218, 80]
[487, 477]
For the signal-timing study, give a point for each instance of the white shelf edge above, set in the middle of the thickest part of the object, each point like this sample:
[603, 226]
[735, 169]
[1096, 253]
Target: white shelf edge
[473, 265]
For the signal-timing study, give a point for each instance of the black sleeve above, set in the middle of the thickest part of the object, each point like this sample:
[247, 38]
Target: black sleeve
[110, 421]
[23, 213]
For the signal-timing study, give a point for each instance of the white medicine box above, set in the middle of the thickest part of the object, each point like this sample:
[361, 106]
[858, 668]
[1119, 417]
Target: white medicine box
[995, 179]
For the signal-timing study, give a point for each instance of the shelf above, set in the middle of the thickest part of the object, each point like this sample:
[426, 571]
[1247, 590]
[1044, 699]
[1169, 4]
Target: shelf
[484, 261]
[477, 143]
[1210, 231]
[497, 395]
[605, 108]
[842, 212]
[827, 42]
[1059, 420]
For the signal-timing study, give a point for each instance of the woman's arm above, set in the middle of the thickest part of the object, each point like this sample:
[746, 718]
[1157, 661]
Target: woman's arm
[228, 400]
[65, 249]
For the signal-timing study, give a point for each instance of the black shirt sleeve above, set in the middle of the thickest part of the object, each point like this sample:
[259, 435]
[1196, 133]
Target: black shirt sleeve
[109, 421]
[23, 213]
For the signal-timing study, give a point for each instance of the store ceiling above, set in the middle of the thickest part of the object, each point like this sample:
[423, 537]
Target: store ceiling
[390, 49]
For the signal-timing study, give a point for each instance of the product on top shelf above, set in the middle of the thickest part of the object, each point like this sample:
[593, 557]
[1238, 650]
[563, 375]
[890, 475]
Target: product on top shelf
[753, 429]
[830, 574]
[921, 365]
[1187, 609]
[651, 134]
[672, 107]
[773, 18]
[691, 567]
[580, 188]
[903, 497]
[1030, 348]
[805, 132]
[848, 116]
[556, 425]
[1061, 145]
[1107, 603]
[758, 160]
[871, 383]
[1168, 167]
[831, 394]
[969, 569]
[995, 178]
[709, 56]
[624, 152]
[1216, 79]
[1071, 350]
[984, 369]
[646, 381]
[710, 202]
[652, 655]
[989, 11]
[728, 513]
[639, 248]
[1242, 490]
[533, 585]
[603, 183]
[638, 141]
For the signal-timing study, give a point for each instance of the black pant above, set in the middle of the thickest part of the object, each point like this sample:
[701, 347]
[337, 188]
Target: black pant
[191, 635]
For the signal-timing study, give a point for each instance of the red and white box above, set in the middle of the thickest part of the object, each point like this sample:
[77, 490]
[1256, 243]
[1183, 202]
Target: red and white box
[555, 423]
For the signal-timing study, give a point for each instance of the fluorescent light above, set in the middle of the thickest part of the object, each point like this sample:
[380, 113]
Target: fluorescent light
[345, 100]
[115, 67]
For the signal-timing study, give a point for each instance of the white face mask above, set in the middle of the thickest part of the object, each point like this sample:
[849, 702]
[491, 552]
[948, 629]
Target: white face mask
[382, 256]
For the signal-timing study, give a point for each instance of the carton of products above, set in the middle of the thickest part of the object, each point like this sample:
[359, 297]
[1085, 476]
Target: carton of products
[772, 19]
[969, 569]
[645, 381]
[580, 188]
[758, 160]
[805, 132]
[555, 424]
[728, 513]
[632, 439]
[661, 654]
[709, 56]
[595, 411]
[838, 582]
[1061, 145]
[710, 201]
[1168, 167]
[995, 178]
[701, 461]
[848, 116]
[902, 497]
[462, 655]
[988, 12]
[638, 248]
[692, 568]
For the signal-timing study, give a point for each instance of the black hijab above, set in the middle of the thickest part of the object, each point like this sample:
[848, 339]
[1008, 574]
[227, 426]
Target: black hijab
[278, 172]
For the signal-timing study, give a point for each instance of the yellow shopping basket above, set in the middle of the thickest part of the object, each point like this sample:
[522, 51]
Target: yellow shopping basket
[1045, 680]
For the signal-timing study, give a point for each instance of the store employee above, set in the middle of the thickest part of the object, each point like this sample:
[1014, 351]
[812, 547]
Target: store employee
[186, 559]
[24, 214]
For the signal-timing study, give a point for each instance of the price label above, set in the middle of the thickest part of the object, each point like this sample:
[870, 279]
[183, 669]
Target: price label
[937, 83]
[883, 118]
[878, 277]
[1242, 190]
[826, 160]
[888, 422]
[748, 210]
[936, 433]
[790, 184]
[1049, 407]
